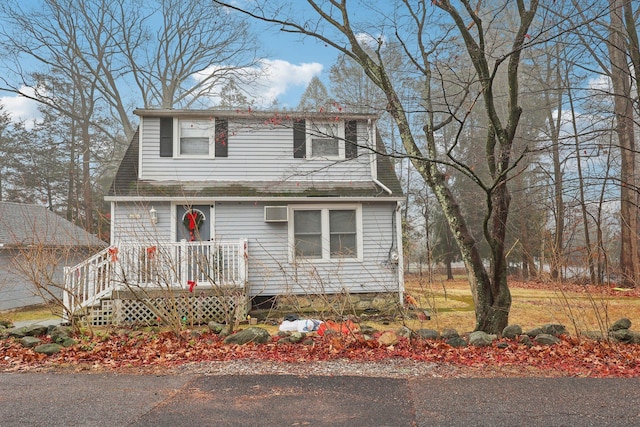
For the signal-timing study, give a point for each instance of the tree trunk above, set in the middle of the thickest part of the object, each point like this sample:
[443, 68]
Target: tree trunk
[623, 108]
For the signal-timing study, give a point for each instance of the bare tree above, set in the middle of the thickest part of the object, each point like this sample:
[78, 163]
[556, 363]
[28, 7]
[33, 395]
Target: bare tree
[335, 24]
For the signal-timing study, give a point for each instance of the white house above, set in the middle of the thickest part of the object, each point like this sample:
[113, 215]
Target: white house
[277, 204]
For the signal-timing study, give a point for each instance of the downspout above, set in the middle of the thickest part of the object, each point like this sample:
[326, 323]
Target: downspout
[374, 162]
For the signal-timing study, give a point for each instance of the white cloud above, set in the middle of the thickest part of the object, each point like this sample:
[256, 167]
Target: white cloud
[370, 41]
[21, 108]
[274, 79]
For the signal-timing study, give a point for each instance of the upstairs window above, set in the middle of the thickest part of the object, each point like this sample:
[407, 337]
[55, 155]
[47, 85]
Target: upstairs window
[325, 140]
[334, 140]
[193, 138]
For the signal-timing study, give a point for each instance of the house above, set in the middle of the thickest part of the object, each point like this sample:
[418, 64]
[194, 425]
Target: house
[287, 207]
[35, 244]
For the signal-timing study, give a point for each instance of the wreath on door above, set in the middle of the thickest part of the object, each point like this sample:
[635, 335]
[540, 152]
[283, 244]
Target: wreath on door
[193, 220]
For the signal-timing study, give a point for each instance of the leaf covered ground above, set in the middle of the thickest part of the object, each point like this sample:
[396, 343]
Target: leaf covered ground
[535, 303]
[135, 350]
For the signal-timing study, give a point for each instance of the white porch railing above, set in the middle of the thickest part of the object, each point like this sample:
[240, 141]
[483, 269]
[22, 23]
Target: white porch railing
[179, 265]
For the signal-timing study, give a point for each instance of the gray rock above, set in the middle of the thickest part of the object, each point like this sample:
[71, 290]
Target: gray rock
[448, 333]
[502, 345]
[215, 327]
[525, 339]
[68, 342]
[404, 332]
[625, 336]
[252, 334]
[48, 349]
[60, 333]
[546, 339]
[428, 334]
[594, 335]
[457, 342]
[512, 331]
[30, 342]
[623, 323]
[554, 329]
[532, 333]
[296, 337]
[481, 339]
[16, 332]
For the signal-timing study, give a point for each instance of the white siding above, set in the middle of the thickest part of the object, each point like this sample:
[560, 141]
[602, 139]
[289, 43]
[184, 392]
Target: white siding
[270, 272]
[255, 153]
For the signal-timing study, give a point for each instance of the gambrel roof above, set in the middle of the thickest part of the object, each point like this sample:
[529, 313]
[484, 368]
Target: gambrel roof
[25, 224]
[127, 184]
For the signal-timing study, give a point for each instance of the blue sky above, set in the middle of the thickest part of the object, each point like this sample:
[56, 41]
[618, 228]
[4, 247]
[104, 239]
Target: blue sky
[290, 63]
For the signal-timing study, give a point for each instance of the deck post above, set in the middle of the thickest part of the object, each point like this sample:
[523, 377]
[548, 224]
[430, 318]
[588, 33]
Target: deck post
[184, 263]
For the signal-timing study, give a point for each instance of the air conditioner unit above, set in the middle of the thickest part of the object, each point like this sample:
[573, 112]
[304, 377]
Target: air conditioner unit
[276, 214]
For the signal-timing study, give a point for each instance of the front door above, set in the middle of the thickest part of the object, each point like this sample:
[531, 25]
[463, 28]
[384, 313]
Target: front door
[194, 223]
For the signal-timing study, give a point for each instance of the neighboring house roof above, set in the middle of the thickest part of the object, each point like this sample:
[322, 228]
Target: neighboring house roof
[126, 183]
[24, 224]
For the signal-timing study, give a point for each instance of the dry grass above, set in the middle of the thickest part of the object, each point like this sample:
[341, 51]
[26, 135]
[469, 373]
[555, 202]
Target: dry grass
[451, 305]
[37, 312]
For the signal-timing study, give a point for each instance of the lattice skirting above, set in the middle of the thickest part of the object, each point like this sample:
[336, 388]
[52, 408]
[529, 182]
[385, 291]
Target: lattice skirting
[191, 308]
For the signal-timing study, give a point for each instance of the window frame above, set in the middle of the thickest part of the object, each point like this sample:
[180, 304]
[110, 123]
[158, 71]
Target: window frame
[210, 128]
[326, 232]
[318, 130]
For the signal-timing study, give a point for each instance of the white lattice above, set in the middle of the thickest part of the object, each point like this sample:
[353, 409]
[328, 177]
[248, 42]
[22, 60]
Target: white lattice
[191, 308]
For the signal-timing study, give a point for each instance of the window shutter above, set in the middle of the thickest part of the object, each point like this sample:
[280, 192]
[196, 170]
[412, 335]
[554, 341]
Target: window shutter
[299, 139]
[222, 137]
[351, 139]
[166, 136]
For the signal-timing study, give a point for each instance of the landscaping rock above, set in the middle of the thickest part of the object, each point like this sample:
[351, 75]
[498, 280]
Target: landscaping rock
[215, 327]
[253, 334]
[594, 335]
[512, 331]
[623, 323]
[481, 339]
[502, 345]
[554, 329]
[457, 342]
[532, 333]
[448, 333]
[68, 342]
[625, 336]
[546, 339]
[60, 333]
[388, 338]
[28, 331]
[428, 334]
[404, 332]
[294, 337]
[524, 339]
[48, 349]
[30, 342]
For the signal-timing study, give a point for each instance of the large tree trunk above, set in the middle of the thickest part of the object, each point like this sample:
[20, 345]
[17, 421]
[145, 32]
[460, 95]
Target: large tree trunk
[623, 108]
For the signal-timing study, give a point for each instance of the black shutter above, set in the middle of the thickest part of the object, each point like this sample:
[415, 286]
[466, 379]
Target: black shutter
[299, 139]
[222, 137]
[351, 139]
[166, 137]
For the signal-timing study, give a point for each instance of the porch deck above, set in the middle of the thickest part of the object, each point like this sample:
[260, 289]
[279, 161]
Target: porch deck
[135, 281]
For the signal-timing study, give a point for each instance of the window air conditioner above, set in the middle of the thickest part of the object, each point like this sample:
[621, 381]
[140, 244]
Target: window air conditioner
[276, 214]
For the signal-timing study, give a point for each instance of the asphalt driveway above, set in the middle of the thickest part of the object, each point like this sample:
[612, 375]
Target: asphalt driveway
[33, 399]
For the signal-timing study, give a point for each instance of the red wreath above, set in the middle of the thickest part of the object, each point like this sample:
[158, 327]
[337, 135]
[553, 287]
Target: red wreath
[193, 220]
